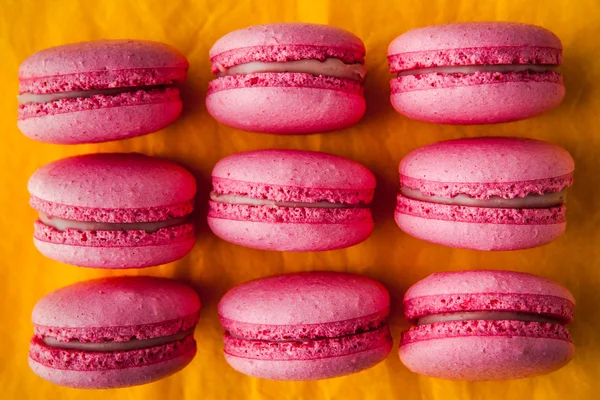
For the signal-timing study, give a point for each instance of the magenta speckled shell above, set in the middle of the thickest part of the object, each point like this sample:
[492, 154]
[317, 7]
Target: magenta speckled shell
[499, 162]
[286, 103]
[504, 357]
[481, 290]
[99, 65]
[292, 176]
[95, 125]
[280, 37]
[101, 55]
[304, 370]
[486, 281]
[479, 236]
[472, 35]
[339, 317]
[118, 308]
[481, 98]
[113, 188]
[295, 168]
[113, 378]
[116, 302]
[304, 298]
[286, 109]
[482, 168]
[478, 104]
[485, 350]
[113, 181]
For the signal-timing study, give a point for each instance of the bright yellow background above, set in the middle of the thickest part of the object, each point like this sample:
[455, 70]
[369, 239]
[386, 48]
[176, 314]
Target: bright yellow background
[379, 141]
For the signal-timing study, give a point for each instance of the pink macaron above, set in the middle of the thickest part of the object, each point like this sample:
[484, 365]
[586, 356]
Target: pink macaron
[113, 210]
[291, 200]
[306, 326]
[289, 78]
[99, 91]
[114, 332]
[476, 72]
[485, 193]
[487, 325]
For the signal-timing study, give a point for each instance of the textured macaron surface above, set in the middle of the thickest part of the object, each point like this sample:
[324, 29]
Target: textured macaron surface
[286, 42]
[113, 188]
[474, 43]
[485, 167]
[102, 64]
[117, 309]
[306, 299]
[482, 290]
[294, 175]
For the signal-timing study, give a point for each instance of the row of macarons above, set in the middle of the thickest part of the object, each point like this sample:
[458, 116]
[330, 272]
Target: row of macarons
[291, 78]
[130, 210]
[468, 325]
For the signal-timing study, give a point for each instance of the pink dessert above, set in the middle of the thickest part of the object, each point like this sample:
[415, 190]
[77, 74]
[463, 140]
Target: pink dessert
[487, 325]
[476, 72]
[291, 200]
[289, 78]
[114, 332]
[113, 210]
[306, 326]
[485, 193]
[99, 91]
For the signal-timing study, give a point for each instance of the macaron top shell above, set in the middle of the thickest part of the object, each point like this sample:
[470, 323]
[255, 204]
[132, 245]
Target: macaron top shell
[486, 160]
[295, 168]
[338, 41]
[485, 282]
[113, 181]
[116, 302]
[304, 298]
[474, 35]
[101, 55]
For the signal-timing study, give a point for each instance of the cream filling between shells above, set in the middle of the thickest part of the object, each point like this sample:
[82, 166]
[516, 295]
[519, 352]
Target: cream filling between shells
[106, 347]
[487, 316]
[473, 69]
[330, 67]
[46, 98]
[531, 201]
[250, 201]
[64, 224]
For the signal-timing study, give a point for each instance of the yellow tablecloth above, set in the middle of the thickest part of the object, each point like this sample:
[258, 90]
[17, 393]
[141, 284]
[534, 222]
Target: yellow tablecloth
[379, 141]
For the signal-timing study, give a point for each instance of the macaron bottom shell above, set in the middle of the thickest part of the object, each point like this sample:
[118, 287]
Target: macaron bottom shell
[115, 257]
[479, 104]
[286, 110]
[291, 236]
[113, 378]
[479, 236]
[101, 124]
[486, 357]
[310, 369]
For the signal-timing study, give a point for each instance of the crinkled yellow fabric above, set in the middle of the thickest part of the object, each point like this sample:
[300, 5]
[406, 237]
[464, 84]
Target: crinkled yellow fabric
[379, 141]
